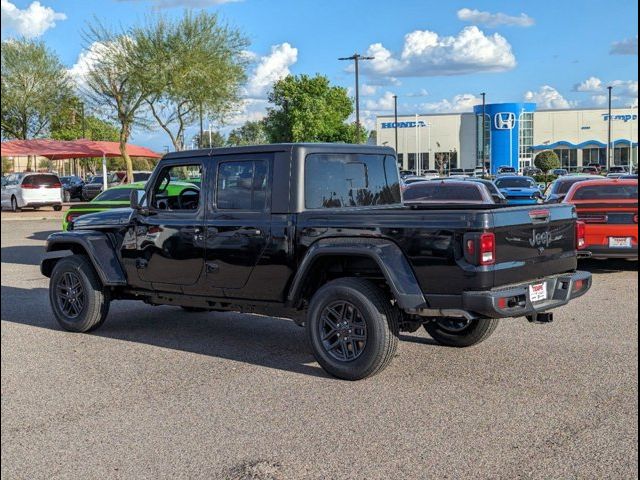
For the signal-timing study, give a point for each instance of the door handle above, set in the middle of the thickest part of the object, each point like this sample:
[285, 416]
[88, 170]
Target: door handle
[249, 232]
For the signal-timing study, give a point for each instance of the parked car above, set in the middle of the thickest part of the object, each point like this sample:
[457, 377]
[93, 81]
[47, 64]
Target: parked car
[31, 190]
[412, 179]
[597, 167]
[608, 210]
[429, 174]
[591, 170]
[450, 192]
[118, 178]
[407, 173]
[506, 170]
[531, 171]
[558, 189]
[456, 172]
[115, 197]
[618, 169]
[630, 176]
[480, 172]
[558, 172]
[71, 187]
[496, 195]
[519, 190]
[317, 233]
[92, 188]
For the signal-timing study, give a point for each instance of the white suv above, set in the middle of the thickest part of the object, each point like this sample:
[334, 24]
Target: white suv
[33, 190]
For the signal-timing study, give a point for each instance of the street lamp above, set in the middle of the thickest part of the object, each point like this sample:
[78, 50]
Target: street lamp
[356, 57]
[395, 120]
[610, 88]
[483, 159]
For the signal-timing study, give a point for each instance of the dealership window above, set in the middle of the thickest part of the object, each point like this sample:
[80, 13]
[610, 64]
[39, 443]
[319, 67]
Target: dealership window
[621, 156]
[445, 161]
[568, 158]
[487, 138]
[400, 157]
[411, 161]
[526, 136]
[424, 161]
[594, 155]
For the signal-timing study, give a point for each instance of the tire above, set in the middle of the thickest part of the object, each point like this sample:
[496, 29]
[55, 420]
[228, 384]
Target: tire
[349, 307]
[76, 273]
[14, 205]
[453, 332]
[194, 309]
[57, 208]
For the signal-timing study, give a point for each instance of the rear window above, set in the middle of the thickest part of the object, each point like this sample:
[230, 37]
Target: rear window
[607, 192]
[40, 180]
[141, 176]
[114, 195]
[96, 180]
[514, 183]
[564, 186]
[350, 180]
[442, 191]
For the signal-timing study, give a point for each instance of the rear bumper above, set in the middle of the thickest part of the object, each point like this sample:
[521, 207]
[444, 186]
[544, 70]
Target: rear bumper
[600, 252]
[561, 289]
[42, 204]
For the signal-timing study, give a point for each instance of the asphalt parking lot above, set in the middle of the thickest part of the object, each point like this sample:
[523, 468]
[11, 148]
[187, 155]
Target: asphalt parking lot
[161, 393]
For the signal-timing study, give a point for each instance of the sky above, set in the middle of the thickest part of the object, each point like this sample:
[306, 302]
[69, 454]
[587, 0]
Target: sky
[435, 56]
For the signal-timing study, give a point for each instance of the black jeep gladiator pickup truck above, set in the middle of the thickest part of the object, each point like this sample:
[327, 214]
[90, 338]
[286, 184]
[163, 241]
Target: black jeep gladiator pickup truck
[317, 233]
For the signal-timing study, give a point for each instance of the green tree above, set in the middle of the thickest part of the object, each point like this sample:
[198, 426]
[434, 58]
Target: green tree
[193, 67]
[251, 133]
[215, 140]
[34, 83]
[111, 83]
[309, 109]
[68, 123]
[547, 160]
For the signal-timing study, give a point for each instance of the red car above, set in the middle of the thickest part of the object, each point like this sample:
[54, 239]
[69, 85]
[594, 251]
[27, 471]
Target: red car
[608, 210]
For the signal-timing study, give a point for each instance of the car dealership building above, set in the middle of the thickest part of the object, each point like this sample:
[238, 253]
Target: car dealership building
[513, 134]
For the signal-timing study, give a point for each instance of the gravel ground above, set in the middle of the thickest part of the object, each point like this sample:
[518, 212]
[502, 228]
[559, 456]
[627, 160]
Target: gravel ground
[161, 393]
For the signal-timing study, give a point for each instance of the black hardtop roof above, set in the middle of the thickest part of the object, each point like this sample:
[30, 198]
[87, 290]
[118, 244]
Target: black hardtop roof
[284, 147]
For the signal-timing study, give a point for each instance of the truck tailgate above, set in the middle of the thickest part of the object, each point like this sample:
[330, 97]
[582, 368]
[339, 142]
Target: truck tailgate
[534, 242]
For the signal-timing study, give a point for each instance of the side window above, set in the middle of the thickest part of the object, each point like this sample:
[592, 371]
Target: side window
[177, 188]
[242, 185]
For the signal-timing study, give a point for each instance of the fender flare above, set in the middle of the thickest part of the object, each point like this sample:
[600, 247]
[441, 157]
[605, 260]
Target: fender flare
[98, 247]
[387, 255]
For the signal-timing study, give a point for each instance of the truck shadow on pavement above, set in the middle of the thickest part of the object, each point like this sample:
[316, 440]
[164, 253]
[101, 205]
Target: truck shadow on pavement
[22, 254]
[258, 340]
[42, 235]
[607, 266]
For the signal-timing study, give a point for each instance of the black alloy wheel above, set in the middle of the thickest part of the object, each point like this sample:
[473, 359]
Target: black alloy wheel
[343, 331]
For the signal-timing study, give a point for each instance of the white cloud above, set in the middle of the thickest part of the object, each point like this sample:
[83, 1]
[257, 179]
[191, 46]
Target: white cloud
[494, 19]
[601, 100]
[625, 88]
[270, 69]
[384, 103]
[86, 59]
[548, 97]
[463, 102]
[30, 22]
[420, 93]
[591, 84]
[426, 53]
[184, 3]
[368, 90]
[622, 88]
[251, 109]
[628, 46]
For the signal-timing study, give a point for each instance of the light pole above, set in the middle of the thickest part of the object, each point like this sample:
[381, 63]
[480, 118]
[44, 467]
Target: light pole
[483, 159]
[395, 120]
[610, 88]
[428, 125]
[356, 57]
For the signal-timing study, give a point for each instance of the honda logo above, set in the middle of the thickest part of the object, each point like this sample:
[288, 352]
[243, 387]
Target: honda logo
[504, 120]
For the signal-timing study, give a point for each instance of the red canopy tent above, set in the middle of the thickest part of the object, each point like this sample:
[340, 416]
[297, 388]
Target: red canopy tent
[62, 149]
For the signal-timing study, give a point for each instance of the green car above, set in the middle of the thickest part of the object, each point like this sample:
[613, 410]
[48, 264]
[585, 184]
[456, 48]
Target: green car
[117, 197]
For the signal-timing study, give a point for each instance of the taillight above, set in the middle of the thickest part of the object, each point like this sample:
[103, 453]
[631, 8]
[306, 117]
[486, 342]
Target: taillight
[28, 185]
[635, 218]
[72, 216]
[55, 185]
[580, 235]
[487, 254]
